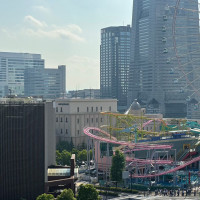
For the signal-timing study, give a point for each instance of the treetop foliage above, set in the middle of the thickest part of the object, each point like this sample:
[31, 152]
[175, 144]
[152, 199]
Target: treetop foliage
[45, 197]
[66, 195]
[87, 192]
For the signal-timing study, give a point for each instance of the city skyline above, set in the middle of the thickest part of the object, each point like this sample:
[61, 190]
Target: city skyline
[64, 33]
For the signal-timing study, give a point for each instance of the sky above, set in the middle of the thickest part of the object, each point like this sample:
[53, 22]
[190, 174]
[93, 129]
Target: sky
[64, 32]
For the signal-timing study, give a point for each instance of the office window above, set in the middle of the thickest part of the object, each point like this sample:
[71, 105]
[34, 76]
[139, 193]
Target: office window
[78, 132]
[109, 108]
[56, 109]
[87, 109]
[77, 121]
[101, 108]
[61, 119]
[61, 130]
[66, 119]
[92, 109]
[61, 109]
[101, 119]
[87, 120]
[92, 120]
[96, 109]
[56, 119]
[66, 131]
[77, 109]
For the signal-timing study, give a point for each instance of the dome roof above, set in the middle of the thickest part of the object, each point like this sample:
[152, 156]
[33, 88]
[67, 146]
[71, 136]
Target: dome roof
[135, 105]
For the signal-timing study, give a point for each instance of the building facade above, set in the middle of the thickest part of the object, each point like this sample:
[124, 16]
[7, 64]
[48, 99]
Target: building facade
[27, 148]
[72, 115]
[12, 66]
[84, 94]
[114, 64]
[155, 75]
[46, 83]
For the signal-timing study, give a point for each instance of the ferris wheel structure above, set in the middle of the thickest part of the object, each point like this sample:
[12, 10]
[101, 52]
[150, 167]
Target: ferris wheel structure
[186, 46]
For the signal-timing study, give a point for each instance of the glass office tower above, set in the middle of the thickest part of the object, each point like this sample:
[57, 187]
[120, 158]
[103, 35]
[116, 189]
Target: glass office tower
[12, 66]
[156, 75]
[114, 64]
[45, 83]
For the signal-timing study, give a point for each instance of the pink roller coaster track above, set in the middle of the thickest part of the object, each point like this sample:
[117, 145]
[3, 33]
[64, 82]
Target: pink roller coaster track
[113, 140]
[169, 171]
[141, 161]
[148, 122]
[138, 147]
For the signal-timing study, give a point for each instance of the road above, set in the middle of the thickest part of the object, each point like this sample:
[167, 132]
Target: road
[141, 197]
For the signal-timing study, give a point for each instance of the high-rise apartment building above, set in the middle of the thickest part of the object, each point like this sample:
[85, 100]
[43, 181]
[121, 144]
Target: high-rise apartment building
[47, 83]
[12, 66]
[155, 75]
[114, 64]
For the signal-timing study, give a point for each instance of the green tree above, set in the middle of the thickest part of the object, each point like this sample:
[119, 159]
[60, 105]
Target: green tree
[64, 145]
[118, 164]
[83, 146]
[75, 151]
[45, 197]
[87, 192]
[66, 195]
[82, 155]
[71, 145]
[63, 158]
[58, 157]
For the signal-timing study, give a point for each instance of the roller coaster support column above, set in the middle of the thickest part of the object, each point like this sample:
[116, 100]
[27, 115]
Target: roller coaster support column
[135, 132]
[93, 153]
[136, 172]
[97, 161]
[107, 155]
[87, 152]
[199, 175]
[131, 173]
[175, 173]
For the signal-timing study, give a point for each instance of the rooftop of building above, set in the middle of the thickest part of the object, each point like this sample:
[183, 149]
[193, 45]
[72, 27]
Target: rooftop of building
[113, 28]
[12, 99]
[84, 100]
[20, 55]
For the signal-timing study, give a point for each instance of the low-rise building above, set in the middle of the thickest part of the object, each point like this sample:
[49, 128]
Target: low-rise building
[72, 115]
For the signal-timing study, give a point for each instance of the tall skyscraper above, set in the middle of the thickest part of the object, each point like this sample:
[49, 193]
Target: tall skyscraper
[12, 66]
[155, 75]
[114, 64]
[47, 83]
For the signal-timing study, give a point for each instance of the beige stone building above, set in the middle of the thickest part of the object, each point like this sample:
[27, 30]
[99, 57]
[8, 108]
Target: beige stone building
[72, 115]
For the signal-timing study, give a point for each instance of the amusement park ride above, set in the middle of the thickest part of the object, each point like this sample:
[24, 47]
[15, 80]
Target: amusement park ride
[148, 143]
[159, 158]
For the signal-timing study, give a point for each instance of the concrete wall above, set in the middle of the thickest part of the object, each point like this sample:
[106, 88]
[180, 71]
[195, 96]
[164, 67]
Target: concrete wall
[50, 138]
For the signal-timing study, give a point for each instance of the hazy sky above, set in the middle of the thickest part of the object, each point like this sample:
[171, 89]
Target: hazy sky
[63, 31]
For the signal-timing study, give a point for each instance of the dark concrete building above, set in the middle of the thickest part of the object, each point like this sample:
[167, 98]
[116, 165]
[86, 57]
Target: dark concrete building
[114, 64]
[27, 148]
[163, 31]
